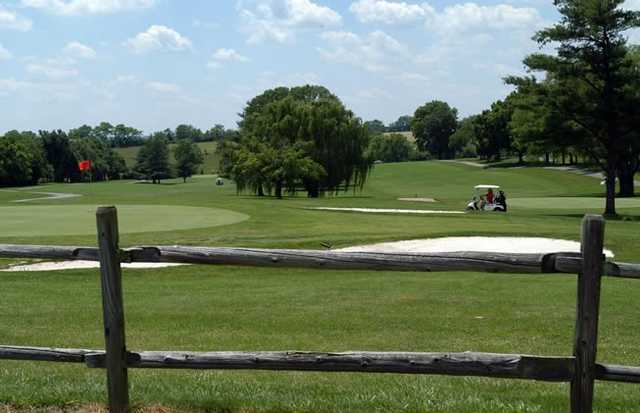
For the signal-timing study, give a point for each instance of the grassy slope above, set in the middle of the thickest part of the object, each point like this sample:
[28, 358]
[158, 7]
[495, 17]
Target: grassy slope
[224, 308]
[210, 165]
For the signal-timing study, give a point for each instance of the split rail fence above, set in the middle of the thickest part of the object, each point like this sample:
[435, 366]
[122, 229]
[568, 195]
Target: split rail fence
[581, 369]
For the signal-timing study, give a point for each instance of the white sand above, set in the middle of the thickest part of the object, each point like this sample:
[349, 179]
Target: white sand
[75, 265]
[389, 211]
[480, 244]
[417, 199]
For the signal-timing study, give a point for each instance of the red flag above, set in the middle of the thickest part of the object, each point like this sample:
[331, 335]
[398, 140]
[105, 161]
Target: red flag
[84, 165]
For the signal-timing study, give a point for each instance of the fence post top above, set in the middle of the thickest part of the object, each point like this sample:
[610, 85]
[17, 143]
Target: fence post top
[105, 209]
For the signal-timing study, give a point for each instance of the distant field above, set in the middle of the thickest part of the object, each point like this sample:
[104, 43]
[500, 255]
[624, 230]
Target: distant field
[408, 135]
[211, 160]
[203, 308]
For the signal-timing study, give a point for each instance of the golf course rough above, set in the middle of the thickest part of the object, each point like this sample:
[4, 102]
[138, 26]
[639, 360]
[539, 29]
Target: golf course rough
[81, 220]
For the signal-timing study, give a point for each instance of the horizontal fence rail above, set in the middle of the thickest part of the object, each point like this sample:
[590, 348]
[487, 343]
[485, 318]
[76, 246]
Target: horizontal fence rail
[581, 369]
[543, 368]
[560, 262]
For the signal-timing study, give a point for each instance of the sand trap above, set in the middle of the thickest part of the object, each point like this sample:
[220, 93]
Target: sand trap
[480, 244]
[76, 265]
[388, 211]
[48, 196]
[417, 199]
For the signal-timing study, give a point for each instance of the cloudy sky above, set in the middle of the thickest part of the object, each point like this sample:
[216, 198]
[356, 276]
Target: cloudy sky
[154, 64]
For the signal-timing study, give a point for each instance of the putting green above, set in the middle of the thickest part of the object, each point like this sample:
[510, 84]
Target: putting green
[571, 203]
[28, 221]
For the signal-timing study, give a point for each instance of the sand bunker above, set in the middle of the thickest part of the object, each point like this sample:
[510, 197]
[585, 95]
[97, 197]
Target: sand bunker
[76, 265]
[417, 199]
[388, 211]
[521, 245]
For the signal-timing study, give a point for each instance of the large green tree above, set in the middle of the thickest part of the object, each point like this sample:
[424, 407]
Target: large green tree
[188, 158]
[332, 137]
[393, 147]
[22, 160]
[152, 160]
[592, 74]
[432, 125]
[60, 155]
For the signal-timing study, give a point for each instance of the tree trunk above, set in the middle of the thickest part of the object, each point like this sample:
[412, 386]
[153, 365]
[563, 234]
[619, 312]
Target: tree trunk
[520, 157]
[546, 157]
[260, 190]
[279, 190]
[610, 208]
[626, 174]
[184, 179]
[627, 182]
[564, 155]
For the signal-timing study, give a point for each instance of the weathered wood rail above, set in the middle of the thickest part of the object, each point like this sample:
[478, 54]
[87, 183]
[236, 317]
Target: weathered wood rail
[561, 262]
[580, 369]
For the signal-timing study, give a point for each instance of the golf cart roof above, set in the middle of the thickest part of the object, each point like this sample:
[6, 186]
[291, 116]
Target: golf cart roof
[487, 187]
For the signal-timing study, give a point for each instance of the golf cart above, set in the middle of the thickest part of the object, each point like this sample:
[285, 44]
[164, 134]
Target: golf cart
[479, 201]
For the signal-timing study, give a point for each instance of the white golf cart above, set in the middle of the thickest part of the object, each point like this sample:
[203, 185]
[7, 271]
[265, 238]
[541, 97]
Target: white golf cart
[479, 201]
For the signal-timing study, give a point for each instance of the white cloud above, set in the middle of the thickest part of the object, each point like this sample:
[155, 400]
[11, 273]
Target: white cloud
[158, 37]
[277, 20]
[12, 21]
[229, 55]
[75, 7]
[163, 87]
[5, 54]
[473, 17]
[79, 50]
[388, 12]
[52, 69]
[452, 20]
[372, 53]
[225, 55]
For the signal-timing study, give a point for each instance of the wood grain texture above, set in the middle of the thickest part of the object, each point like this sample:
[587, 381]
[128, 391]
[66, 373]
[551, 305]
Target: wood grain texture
[561, 262]
[587, 314]
[458, 364]
[113, 310]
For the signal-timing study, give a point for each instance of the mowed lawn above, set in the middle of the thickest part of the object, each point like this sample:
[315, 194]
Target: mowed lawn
[233, 308]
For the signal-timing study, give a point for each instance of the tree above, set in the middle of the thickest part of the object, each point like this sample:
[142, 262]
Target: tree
[491, 128]
[22, 160]
[59, 154]
[391, 148]
[403, 124]
[188, 158]
[188, 132]
[375, 126]
[463, 142]
[152, 160]
[591, 77]
[331, 135]
[432, 125]
[105, 162]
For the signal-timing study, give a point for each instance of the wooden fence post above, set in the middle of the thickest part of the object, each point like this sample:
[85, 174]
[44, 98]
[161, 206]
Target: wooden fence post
[113, 309]
[587, 310]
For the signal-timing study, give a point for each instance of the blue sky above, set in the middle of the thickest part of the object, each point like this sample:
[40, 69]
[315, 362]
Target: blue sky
[155, 64]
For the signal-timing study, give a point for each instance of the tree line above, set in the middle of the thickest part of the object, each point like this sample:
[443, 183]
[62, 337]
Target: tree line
[28, 158]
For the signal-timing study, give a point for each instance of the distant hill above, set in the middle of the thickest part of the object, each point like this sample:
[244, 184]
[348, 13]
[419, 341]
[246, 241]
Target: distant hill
[408, 135]
[211, 160]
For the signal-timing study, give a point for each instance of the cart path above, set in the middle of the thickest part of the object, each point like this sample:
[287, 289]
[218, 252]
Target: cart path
[48, 196]
[580, 171]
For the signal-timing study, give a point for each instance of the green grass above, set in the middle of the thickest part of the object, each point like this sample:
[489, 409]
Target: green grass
[80, 219]
[233, 308]
[209, 166]
[571, 203]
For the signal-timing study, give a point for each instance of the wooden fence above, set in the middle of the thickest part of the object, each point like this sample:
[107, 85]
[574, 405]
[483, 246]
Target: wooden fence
[580, 369]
